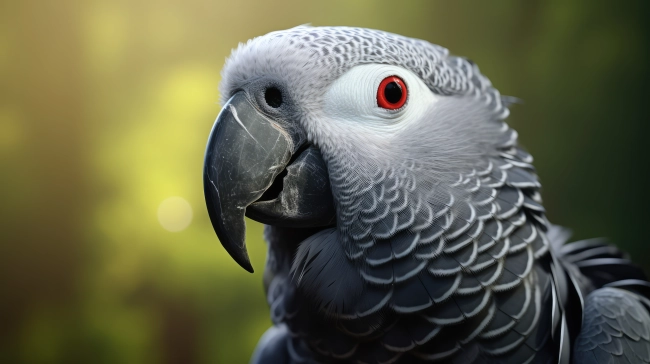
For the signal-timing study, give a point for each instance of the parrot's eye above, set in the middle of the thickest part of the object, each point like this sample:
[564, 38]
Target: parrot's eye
[273, 97]
[391, 93]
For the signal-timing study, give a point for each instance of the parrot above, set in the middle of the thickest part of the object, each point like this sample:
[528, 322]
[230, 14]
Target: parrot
[404, 222]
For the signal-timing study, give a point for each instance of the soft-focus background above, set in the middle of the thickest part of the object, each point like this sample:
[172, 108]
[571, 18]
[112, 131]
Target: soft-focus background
[106, 251]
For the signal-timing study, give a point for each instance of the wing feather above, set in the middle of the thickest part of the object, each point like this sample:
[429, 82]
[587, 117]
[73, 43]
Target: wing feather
[616, 328]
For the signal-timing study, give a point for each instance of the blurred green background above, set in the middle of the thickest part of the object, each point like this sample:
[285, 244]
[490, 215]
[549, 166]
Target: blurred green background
[107, 254]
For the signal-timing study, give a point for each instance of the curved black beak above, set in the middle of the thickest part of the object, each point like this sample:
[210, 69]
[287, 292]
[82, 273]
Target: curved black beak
[247, 154]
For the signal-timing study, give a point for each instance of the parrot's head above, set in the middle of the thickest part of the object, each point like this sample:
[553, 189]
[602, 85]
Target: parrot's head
[321, 125]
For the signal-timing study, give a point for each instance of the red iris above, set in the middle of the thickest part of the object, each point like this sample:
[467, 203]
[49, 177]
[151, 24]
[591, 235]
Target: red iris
[391, 93]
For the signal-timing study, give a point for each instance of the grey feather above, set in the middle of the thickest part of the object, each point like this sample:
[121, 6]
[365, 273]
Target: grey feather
[322, 270]
[272, 347]
[616, 328]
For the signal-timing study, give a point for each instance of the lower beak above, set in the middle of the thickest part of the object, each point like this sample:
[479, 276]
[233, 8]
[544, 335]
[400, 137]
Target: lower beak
[247, 154]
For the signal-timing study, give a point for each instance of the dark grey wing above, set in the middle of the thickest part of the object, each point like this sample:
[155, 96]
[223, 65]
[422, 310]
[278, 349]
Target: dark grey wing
[272, 347]
[277, 346]
[615, 328]
[597, 273]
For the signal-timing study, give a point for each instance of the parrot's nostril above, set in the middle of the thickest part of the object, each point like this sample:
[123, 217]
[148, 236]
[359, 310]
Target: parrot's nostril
[273, 97]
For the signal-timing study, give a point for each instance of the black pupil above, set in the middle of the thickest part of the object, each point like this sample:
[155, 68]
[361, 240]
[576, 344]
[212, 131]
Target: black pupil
[393, 92]
[273, 97]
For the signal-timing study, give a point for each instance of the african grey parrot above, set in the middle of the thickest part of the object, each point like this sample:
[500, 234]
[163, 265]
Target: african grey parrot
[404, 223]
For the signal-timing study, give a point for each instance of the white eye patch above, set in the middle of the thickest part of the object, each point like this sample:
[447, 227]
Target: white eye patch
[353, 98]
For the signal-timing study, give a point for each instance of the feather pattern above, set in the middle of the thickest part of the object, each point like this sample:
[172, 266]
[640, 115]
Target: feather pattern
[615, 328]
[455, 262]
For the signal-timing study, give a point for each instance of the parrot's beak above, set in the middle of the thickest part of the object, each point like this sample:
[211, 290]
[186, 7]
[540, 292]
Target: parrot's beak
[253, 168]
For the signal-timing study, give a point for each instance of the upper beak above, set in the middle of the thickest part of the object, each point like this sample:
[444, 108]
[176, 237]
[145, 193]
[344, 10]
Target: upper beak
[246, 151]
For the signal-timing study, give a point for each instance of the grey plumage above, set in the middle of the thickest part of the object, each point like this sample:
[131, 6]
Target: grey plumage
[615, 328]
[441, 250]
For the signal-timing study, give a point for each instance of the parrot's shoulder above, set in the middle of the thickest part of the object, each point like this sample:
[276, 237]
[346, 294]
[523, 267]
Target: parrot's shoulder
[605, 299]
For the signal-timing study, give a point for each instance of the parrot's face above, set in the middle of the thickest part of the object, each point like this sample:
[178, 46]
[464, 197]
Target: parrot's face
[319, 121]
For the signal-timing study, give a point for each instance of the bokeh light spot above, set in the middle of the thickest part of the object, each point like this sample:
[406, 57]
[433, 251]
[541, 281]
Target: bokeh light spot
[175, 214]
